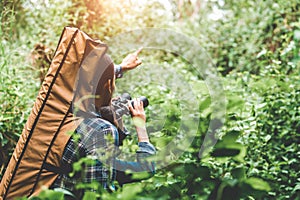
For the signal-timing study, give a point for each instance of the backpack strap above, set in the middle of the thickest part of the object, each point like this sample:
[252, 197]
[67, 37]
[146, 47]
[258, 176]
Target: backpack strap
[66, 169]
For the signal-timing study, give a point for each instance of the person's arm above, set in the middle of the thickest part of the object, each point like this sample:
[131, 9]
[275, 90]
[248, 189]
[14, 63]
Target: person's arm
[144, 169]
[146, 149]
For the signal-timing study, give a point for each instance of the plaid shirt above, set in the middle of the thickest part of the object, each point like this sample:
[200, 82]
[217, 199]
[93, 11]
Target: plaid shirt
[99, 140]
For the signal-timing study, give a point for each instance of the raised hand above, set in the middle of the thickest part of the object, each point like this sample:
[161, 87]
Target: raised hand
[131, 61]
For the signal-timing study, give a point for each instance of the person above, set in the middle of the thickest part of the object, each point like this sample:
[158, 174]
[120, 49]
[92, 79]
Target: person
[100, 136]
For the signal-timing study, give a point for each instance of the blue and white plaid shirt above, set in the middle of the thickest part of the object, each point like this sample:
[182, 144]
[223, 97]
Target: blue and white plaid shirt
[99, 140]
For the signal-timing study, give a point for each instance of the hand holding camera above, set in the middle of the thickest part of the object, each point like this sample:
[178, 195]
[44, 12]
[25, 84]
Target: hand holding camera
[121, 107]
[124, 105]
[137, 110]
[139, 119]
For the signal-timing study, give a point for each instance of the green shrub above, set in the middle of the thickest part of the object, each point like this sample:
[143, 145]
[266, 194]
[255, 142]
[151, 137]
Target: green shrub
[255, 45]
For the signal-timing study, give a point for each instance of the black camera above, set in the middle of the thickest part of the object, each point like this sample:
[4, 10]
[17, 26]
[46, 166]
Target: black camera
[120, 104]
[142, 98]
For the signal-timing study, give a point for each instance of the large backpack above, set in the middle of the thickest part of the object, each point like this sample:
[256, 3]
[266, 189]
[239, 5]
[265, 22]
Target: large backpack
[38, 153]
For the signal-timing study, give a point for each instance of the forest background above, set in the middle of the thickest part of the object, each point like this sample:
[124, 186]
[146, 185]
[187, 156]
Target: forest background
[253, 50]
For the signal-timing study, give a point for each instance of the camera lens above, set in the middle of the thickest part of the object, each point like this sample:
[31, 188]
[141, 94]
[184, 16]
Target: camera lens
[142, 98]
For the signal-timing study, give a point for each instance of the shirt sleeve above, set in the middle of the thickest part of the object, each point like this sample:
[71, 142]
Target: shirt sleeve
[118, 71]
[145, 150]
[141, 167]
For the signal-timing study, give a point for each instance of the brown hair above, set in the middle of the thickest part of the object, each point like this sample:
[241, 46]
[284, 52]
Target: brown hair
[104, 91]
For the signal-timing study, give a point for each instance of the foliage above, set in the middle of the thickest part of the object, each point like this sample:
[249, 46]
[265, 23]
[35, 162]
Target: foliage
[103, 19]
[277, 114]
[249, 35]
[255, 46]
[17, 92]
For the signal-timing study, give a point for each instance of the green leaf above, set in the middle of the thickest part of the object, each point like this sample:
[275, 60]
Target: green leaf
[89, 196]
[238, 173]
[267, 138]
[235, 103]
[228, 147]
[140, 175]
[229, 139]
[129, 191]
[225, 152]
[297, 188]
[258, 184]
[77, 166]
[51, 195]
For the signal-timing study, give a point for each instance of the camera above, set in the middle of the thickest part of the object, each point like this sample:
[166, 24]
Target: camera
[120, 107]
[142, 98]
[120, 104]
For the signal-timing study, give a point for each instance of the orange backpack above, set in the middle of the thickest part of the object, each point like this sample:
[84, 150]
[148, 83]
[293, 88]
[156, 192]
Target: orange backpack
[44, 136]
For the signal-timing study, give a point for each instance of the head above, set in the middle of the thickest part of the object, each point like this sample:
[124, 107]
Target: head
[106, 84]
[105, 89]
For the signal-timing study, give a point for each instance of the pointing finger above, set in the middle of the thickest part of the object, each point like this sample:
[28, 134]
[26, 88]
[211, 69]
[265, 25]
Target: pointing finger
[138, 51]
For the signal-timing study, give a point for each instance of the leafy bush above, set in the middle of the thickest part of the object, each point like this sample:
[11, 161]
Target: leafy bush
[248, 35]
[255, 45]
[274, 144]
[104, 20]
[19, 77]
[16, 91]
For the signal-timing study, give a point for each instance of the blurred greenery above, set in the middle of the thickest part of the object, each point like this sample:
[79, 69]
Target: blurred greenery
[254, 46]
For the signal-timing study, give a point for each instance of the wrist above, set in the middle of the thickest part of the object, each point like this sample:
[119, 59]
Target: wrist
[142, 131]
[123, 66]
[139, 122]
[142, 134]
[118, 71]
